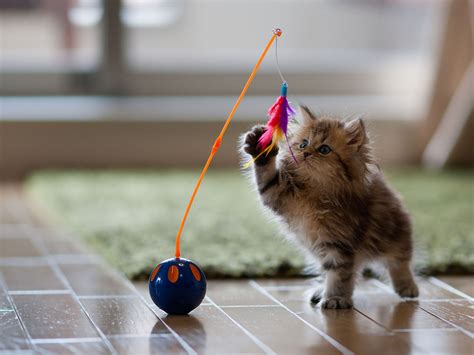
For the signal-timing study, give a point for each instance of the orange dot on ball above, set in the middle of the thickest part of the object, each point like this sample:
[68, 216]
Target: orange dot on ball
[173, 273]
[195, 271]
[153, 275]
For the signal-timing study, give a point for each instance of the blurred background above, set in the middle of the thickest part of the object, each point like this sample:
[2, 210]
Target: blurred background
[94, 83]
[148, 83]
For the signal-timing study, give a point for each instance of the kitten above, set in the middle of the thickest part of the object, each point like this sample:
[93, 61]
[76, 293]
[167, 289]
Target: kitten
[336, 204]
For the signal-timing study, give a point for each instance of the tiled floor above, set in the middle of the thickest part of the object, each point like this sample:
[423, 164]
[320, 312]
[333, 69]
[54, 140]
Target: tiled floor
[56, 298]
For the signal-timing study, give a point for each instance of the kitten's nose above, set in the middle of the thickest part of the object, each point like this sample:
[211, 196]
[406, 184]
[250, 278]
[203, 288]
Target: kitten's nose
[306, 154]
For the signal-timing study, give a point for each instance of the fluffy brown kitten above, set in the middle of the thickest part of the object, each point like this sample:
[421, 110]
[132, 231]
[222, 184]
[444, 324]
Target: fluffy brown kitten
[335, 203]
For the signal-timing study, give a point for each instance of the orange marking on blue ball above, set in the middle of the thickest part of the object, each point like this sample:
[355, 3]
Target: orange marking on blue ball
[155, 272]
[195, 271]
[173, 273]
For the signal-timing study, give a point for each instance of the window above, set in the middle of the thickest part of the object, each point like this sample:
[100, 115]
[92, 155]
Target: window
[206, 47]
[49, 35]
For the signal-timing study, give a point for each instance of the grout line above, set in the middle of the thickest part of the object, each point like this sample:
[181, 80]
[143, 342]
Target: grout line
[434, 300]
[288, 288]
[447, 287]
[139, 336]
[465, 331]
[250, 306]
[257, 341]
[93, 297]
[425, 330]
[387, 330]
[329, 339]
[444, 286]
[65, 340]
[25, 332]
[71, 259]
[39, 292]
[437, 282]
[180, 340]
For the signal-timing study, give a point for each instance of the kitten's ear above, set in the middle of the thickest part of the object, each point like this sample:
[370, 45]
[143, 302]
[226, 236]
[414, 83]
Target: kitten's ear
[356, 133]
[307, 115]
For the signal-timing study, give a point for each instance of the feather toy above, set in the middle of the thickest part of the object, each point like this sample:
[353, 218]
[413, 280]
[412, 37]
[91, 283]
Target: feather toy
[276, 128]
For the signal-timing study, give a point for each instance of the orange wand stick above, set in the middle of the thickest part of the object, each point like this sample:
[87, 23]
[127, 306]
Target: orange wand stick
[276, 33]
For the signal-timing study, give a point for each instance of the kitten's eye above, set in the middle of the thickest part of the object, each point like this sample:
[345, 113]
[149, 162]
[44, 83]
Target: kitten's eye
[304, 144]
[324, 149]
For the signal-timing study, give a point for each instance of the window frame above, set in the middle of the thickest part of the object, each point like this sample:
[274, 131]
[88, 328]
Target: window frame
[114, 76]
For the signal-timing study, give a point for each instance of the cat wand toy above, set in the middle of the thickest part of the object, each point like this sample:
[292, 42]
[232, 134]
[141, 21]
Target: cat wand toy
[178, 285]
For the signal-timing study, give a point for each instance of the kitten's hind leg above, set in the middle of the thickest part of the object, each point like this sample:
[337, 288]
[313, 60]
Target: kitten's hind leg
[402, 278]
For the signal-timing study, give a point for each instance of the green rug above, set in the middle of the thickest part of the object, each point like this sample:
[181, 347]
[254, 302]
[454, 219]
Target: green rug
[131, 218]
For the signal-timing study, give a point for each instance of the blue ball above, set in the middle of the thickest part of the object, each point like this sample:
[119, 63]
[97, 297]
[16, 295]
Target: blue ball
[177, 286]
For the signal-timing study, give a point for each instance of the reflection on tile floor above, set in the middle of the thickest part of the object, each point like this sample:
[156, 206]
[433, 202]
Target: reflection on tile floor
[55, 298]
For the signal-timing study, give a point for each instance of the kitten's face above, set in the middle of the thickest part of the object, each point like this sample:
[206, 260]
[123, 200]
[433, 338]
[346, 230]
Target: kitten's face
[329, 150]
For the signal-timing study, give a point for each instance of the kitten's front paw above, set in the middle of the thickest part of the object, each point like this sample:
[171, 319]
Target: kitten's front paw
[251, 140]
[409, 290]
[251, 144]
[336, 302]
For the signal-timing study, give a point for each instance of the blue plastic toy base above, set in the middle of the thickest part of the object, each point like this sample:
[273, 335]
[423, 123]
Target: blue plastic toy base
[177, 286]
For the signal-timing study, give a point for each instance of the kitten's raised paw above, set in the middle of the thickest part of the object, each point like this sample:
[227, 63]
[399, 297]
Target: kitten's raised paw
[251, 140]
[251, 145]
[336, 302]
[408, 290]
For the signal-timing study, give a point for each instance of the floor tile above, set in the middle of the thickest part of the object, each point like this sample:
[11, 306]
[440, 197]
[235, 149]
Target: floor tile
[293, 282]
[18, 247]
[166, 344]
[331, 321]
[464, 284]
[438, 342]
[31, 278]
[142, 288]
[73, 348]
[98, 280]
[123, 316]
[64, 247]
[281, 331]
[458, 313]
[12, 336]
[238, 292]
[393, 313]
[53, 316]
[348, 327]
[4, 303]
[431, 291]
[428, 290]
[208, 330]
